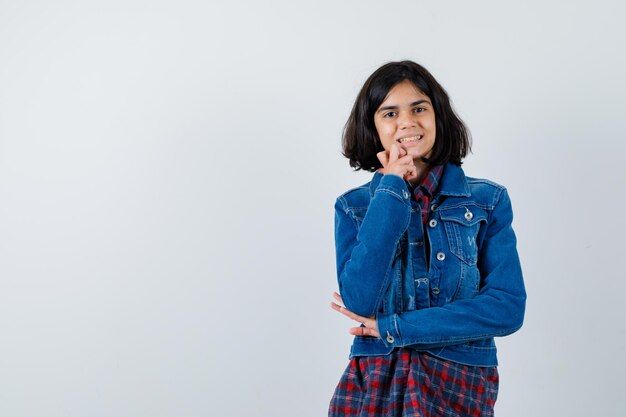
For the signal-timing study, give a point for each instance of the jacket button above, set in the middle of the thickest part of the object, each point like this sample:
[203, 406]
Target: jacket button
[432, 223]
[441, 256]
[433, 207]
[390, 338]
[435, 290]
[468, 215]
[405, 194]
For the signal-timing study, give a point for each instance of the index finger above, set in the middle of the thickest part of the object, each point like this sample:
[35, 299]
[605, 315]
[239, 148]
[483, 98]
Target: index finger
[347, 313]
[337, 297]
[394, 153]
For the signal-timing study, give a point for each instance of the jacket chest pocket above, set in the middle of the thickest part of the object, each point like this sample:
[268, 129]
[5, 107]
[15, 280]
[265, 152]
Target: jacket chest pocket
[462, 225]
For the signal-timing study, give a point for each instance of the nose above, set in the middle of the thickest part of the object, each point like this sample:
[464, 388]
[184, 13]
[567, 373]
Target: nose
[406, 120]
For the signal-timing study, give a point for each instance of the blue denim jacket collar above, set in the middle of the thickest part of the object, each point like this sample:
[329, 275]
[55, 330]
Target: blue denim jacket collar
[453, 183]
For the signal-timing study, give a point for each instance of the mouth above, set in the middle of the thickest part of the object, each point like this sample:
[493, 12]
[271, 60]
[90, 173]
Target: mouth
[409, 139]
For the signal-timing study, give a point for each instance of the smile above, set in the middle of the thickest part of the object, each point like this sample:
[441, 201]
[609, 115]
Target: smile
[410, 139]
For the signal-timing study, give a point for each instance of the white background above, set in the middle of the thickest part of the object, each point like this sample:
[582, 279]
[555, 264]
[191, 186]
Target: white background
[168, 171]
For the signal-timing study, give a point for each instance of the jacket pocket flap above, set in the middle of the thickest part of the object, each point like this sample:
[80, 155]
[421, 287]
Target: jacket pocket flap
[464, 215]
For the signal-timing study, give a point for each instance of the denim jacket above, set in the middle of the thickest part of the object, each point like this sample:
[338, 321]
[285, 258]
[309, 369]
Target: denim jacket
[452, 305]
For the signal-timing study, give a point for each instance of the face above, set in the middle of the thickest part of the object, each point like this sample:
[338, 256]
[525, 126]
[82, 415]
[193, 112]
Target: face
[406, 117]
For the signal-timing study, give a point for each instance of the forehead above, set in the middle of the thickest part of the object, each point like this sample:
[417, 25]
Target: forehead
[404, 90]
[405, 87]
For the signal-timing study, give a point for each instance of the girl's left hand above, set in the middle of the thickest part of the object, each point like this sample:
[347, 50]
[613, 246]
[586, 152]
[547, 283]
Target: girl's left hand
[371, 327]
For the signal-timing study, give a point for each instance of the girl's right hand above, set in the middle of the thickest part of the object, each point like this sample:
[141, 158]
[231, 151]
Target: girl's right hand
[370, 323]
[396, 161]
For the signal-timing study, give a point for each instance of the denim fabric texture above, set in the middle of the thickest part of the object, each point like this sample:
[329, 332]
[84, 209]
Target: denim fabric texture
[450, 300]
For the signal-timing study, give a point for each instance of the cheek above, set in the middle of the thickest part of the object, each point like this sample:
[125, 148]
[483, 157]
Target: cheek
[383, 133]
[432, 131]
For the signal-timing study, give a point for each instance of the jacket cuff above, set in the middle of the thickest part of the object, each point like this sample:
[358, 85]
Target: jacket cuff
[395, 186]
[388, 330]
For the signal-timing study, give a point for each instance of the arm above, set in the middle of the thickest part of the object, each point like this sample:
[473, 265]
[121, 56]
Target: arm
[497, 310]
[365, 254]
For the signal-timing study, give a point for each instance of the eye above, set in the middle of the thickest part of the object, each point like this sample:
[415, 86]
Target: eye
[390, 114]
[419, 109]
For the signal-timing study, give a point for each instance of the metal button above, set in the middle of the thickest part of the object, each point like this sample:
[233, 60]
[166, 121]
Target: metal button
[405, 194]
[441, 256]
[390, 338]
[432, 223]
[468, 215]
[435, 290]
[433, 207]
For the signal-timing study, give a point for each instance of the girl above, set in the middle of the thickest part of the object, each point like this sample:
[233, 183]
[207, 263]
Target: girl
[426, 258]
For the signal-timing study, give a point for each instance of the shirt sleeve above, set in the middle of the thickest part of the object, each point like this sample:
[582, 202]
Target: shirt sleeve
[365, 252]
[497, 310]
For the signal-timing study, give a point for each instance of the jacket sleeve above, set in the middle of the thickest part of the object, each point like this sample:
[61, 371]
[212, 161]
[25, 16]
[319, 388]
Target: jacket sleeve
[365, 253]
[497, 309]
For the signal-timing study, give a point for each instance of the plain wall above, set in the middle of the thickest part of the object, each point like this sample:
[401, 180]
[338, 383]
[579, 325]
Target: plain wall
[168, 171]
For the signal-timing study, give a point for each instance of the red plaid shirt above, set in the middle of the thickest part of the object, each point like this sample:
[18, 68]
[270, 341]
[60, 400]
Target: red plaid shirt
[411, 383]
[424, 192]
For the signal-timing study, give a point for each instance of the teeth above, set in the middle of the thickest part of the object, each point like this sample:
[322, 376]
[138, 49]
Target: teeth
[412, 138]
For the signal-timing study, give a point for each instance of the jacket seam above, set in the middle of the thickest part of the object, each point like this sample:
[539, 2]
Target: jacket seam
[497, 196]
[484, 206]
[455, 341]
[395, 325]
[390, 191]
[348, 212]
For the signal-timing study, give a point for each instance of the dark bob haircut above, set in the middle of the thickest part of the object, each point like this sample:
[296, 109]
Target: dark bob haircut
[360, 140]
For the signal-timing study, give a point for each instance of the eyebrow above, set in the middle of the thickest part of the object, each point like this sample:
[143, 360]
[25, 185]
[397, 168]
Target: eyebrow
[415, 103]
